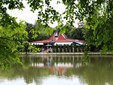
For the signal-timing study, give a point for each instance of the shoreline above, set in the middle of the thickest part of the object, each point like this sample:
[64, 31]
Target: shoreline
[76, 53]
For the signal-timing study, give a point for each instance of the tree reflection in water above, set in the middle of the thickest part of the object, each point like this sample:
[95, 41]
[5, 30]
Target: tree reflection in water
[33, 70]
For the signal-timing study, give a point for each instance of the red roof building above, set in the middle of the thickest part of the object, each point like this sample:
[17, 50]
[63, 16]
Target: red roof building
[58, 39]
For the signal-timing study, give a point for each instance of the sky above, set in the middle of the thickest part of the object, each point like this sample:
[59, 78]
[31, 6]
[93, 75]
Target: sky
[49, 80]
[24, 14]
[31, 17]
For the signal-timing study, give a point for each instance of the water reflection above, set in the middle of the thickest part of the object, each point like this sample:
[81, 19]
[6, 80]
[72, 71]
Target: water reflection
[68, 70]
[54, 60]
[74, 80]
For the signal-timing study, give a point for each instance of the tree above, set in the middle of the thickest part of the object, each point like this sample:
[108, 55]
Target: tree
[10, 40]
[77, 33]
[98, 15]
[38, 31]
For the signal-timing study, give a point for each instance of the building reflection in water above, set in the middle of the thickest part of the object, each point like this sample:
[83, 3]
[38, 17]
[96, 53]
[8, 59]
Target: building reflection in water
[56, 64]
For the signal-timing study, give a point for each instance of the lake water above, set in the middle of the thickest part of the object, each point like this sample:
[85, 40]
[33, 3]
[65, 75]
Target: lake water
[60, 69]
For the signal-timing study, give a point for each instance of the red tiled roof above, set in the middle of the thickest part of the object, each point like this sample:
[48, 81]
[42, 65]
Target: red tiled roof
[61, 38]
[42, 41]
[52, 37]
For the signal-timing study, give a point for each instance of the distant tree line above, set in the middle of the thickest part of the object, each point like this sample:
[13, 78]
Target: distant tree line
[71, 32]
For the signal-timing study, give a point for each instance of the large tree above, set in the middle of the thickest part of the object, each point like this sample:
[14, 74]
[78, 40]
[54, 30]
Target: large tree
[10, 40]
[98, 16]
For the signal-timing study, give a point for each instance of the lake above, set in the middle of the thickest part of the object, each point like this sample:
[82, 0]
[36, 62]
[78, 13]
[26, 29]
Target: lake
[60, 69]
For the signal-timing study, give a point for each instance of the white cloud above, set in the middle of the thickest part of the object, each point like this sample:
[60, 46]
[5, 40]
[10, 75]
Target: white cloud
[31, 17]
[24, 14]
[58, 7]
